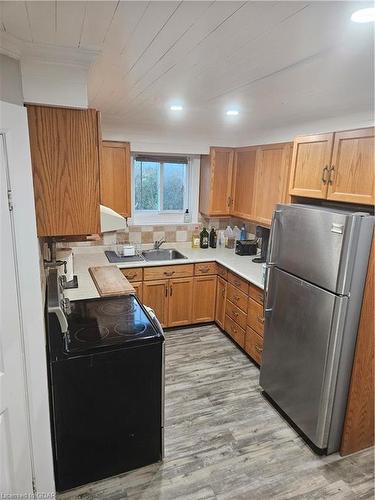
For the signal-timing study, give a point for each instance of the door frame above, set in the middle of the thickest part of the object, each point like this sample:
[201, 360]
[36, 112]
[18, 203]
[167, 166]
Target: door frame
[13, 124]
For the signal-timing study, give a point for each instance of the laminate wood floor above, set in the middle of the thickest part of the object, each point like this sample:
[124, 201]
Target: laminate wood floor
[223, 440]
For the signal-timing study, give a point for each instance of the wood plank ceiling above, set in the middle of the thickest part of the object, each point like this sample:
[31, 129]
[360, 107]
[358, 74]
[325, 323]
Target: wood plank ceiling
[281, 63]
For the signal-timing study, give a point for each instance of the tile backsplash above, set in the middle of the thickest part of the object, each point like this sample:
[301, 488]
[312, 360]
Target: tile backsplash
[171, 233]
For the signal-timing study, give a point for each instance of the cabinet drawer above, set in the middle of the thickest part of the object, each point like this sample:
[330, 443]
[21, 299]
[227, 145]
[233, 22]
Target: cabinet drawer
[205, 268]
[235, 331]
[222, 271]
[236, 297]
[254, 345]
[236, 314]
[256, 293]
[255, 316]
[133, 274]
[238, 282]
[164, 272]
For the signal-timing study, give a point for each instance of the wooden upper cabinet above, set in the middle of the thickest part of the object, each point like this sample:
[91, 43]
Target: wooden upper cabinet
[64, 146]
[115, 177]
[351, 176]
[243, 181]
[310, 165]
[271, 180]
[216, 181]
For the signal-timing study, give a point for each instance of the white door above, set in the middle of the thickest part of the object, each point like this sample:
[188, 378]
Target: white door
[15, 455]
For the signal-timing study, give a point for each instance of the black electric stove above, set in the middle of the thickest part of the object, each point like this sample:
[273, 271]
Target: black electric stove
[112, 322]
[106, 385]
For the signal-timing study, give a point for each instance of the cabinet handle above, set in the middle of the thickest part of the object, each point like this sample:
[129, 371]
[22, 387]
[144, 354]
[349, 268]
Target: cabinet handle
[169, 273]
[170, 291]
[236, 298]
[130, 276]
[325, 170]
[166, 290]
[223, 293]
[229, 201]
[204, 269]
[235, 314]
[330, 178]
[237, 283]
[261, 320]
[258, 349]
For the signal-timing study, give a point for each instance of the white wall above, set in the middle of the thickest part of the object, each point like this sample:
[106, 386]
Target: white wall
[58, 84]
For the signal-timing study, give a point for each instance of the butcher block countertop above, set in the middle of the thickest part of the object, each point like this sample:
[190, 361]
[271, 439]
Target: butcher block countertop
[110, 281]
[86, 257]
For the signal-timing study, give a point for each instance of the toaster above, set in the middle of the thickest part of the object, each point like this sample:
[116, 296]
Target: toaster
[246, 247]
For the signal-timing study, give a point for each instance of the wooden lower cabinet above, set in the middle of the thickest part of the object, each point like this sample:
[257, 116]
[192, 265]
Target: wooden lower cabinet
[180, 302]
[221, 298]
[138, 287]
[255, 316]
[235, 331]
[254, 345]
[204, 298]
[156, 295]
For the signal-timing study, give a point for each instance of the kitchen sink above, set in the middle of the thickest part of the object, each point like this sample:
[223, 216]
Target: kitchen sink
[163, 254]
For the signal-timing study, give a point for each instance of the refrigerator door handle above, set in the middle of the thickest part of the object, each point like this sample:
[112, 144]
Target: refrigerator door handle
[267, 312]
[275, 217]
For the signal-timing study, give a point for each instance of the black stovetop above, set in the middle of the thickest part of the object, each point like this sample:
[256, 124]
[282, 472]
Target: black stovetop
[114, 321]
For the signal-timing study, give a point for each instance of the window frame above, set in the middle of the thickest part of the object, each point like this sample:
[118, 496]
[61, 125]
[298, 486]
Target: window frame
[144, 214]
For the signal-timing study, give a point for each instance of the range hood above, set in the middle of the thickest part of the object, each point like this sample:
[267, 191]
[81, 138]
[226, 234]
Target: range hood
[111, 220]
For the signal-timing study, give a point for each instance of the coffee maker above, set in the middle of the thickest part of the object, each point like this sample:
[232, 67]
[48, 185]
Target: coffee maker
[263, 234]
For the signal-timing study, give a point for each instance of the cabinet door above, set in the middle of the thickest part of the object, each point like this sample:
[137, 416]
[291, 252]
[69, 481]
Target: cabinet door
[310, 165]
[204, 295]
[271, 180]
[221, 181]
[221, 297]
[138, 287]
[64, 145]
[351, 176]
[243, 182]
[155, 295]
[115, 178]
[180, 301]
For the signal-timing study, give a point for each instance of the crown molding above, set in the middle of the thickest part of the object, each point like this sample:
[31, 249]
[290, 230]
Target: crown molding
[46, 53]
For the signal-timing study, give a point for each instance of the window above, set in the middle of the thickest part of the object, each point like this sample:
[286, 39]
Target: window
[160, 184]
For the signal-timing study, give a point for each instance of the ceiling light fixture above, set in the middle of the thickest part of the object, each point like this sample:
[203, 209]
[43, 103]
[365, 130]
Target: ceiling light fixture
[176, 107]
[364, 15]
[233, 112]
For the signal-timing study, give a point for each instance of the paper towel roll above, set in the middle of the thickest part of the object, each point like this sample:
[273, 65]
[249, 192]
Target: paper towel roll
[67, 255]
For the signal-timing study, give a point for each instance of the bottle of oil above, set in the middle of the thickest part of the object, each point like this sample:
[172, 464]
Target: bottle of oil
[213, 238]
[204, 237]
[195, 238]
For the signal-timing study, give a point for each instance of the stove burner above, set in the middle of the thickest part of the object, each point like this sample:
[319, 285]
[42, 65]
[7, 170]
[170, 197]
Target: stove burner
[129, 328]
[114, 308]
[91, 333]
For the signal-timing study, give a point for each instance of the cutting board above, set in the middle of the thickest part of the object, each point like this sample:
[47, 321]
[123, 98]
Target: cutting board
[110, 281]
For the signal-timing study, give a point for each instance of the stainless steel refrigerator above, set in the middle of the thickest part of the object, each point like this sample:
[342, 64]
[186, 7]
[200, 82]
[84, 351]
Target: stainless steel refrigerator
[316, 269]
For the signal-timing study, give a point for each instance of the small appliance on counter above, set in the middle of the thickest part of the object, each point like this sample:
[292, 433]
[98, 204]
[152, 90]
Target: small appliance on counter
[106, 385]
[262, 233]
[246, 247]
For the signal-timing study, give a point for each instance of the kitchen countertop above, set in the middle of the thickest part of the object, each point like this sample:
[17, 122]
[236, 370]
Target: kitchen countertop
[85, 257]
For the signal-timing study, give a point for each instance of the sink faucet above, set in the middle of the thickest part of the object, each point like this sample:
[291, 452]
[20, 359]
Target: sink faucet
[158, 244]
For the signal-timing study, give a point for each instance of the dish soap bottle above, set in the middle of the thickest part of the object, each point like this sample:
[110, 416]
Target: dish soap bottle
[243, 233]
[195, 239]
[187, 216]
[213, 238]
[204, 236]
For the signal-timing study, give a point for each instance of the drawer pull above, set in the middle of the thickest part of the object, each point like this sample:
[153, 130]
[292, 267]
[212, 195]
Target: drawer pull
[169, 273]
[258, 349]
[236, 298]
[204, 269]
[260, 320]
[235, 314]
[223, 293]
[237, 283]
[170, 291]
[130, 276]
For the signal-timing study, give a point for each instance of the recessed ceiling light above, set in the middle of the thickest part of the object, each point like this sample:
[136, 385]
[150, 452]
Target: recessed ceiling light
[233, 112]
[364, 15]
[176, 107]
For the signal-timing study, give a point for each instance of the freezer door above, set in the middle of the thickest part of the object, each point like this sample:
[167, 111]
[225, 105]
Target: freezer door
[299, 353]
[315, 244]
